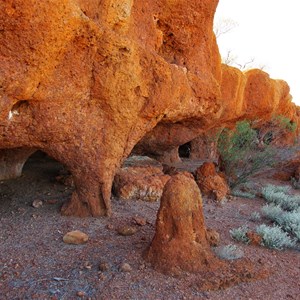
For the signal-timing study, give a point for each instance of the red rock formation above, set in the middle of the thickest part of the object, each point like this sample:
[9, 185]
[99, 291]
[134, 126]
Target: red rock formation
[180, 242]
[140, 178]
[210, 182]
[252, 95]
[85, 80]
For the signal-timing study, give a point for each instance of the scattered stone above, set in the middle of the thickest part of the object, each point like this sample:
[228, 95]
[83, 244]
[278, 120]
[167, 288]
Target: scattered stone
[88, 265]
[37, 203]
[139, 221]
[110, 226]
[80, 294]
[213, 237]
[125, 267]
[255, 239]
[101, 276]
[75, 237]
[52, 201]
[104, 267]
[127, 230]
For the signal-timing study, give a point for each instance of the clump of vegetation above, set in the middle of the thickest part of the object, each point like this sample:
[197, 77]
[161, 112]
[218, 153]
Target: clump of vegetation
[240, 234]
[255, 216]
[245, 151]
[238, 193]
[295, 183]
[279, 195]
[288, 221]
[274, 237]
[240, 155]
[229, 252]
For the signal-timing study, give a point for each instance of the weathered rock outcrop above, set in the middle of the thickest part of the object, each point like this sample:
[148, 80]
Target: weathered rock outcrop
[84, 81]
[211, 182]
[12, 162]
[251, 95]
[140, 178]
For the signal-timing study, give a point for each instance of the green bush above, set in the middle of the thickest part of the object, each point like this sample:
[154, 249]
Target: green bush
[240, 156]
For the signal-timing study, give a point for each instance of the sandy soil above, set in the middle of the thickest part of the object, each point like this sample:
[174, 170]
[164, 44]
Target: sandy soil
[36, 264]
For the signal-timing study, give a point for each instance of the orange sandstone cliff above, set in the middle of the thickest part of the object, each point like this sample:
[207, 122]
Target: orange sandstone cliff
[85, 80]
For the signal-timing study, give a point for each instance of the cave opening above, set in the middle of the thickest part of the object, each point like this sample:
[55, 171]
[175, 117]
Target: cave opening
[185, 150]
[40, 181]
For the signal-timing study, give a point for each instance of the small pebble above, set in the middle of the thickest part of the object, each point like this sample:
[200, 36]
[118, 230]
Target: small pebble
[125, 267]
[75, 237]
[139, 221]
[80, 294]
[110, 227]
[103, 267]
[37, 203]
[127, 230]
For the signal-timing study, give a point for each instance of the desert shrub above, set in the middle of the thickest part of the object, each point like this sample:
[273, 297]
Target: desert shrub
[240, 234]
[238, 193]
[278, 195]
[274, 237]
[295, 183]
[277, 128]
[288, 221]
[240, 156]
[272, 212]
[229, 252]
[284, 123]
[255, 216]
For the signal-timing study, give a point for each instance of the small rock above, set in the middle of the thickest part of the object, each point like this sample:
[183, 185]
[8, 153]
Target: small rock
[80, 294]
[213, 237]
[37, 203]
[139, 221]
[75, 237]
[88, 265]
[125, 267]
[127, 230]
[101, 276]
[110, 227]
[103, 266]
[255, 239]
[52, 201]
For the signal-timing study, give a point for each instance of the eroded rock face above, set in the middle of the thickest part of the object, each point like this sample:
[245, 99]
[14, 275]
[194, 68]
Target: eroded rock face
[12, 162]
[211, 182]
[85, 80]
[140, 178]
[181, 242]
[251, 95]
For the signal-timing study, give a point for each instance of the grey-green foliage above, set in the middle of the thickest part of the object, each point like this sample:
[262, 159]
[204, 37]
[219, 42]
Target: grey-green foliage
[239, 153]
[240, 234]
[284, 123]
[238, 193]
[255, 216]
[229, 252]
[295, 183]
[279, 195]
[274, 237]
[288, 220]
